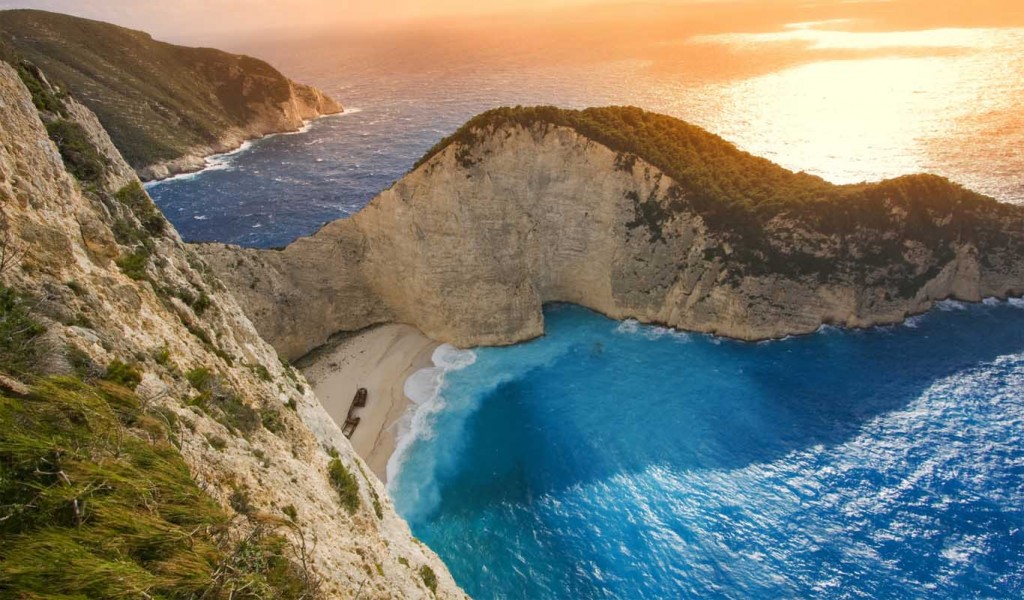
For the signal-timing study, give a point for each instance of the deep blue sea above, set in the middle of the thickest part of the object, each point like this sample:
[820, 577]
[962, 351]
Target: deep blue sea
[614, 460]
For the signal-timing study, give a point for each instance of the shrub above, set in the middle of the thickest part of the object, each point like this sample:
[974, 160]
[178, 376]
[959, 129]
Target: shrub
[138, 201]
[429, 578]
[43, 97]
[222, 403]
[162, 356]
[80, 156]
[272, 421]
[75, 287]
[200, 378]
[217, 442]
[240, 501]
[261, 372]
[19, 334]
[123, 374]
[344, 482]
[134, 265]
[235, 414]
[290, 512]
[81, 362]
[201, 303]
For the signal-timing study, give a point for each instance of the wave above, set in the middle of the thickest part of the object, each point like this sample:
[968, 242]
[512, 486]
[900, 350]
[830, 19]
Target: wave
[423, 388]
[215, 162]
[652, 332]
[950, 305]
[913, 321]
[225, 160]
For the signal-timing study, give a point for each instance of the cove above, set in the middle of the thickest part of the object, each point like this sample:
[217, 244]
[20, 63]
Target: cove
[615, 460]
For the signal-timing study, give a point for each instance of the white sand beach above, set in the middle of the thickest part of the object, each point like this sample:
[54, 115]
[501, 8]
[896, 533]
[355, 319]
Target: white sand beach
[379, 359]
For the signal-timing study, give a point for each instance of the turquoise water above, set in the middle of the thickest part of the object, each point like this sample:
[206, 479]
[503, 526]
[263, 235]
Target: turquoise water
[613, 460]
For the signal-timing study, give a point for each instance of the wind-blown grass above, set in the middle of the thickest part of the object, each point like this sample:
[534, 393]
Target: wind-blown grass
[96, 502]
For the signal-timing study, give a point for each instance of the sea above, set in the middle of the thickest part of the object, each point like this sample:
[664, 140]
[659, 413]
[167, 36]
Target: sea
[617, 460]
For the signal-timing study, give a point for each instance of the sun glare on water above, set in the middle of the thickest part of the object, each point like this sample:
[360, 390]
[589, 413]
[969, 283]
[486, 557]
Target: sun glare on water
[877, 104]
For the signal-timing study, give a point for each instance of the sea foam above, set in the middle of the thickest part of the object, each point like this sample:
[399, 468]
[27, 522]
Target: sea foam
[423, 388]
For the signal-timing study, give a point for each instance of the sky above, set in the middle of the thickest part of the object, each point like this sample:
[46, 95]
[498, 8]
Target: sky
[172, 19]
[216, 22]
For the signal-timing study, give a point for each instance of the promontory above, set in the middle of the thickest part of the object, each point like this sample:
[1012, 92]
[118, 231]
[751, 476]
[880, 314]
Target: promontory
[632, 214]
[165, 107]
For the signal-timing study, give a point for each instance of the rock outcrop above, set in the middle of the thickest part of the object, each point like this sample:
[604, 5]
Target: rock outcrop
[658, 221]
[117, 289]
[166, 107]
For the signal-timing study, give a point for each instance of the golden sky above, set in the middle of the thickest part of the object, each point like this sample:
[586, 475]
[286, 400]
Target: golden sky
[206, 20]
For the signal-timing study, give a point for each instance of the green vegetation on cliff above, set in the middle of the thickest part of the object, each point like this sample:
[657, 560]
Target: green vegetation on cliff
[97, 502]
[700, 161]
[157, 100]
[737, 193]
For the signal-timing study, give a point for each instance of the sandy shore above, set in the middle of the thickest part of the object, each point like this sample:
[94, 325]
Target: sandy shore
[379, 359]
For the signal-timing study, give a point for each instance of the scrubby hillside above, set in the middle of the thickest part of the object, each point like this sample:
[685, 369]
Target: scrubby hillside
[632, 214]
[152, 445]
[165, 106]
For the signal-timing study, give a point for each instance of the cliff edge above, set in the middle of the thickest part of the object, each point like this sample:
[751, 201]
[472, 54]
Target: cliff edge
[166, 107]
[634, 215]
[151, 443]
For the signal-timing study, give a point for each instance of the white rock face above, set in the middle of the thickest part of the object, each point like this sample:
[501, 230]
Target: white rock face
[468, 247]
[66, 264]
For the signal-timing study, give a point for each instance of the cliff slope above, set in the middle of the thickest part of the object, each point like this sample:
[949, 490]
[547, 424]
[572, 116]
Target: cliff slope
[160, 448]
[634, 215]
[166, 107]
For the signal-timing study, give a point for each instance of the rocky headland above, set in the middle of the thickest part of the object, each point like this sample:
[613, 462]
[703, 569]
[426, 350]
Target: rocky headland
[634, 215]
[165, 107]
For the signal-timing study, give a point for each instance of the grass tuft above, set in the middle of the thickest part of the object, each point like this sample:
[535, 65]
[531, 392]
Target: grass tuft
[96, 502]
[429, 578]
[123, 374]
[344, 482]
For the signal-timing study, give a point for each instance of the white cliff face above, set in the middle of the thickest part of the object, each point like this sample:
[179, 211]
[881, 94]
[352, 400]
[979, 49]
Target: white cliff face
[67, 255]
[470, 245]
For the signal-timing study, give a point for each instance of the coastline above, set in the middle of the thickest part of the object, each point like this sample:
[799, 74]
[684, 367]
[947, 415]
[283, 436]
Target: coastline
[379, 359]
[193, 165]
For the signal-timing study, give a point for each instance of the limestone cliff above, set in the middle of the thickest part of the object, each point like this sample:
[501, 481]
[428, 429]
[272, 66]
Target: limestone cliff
[526, 206]
[118, 292]
[166, 107]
